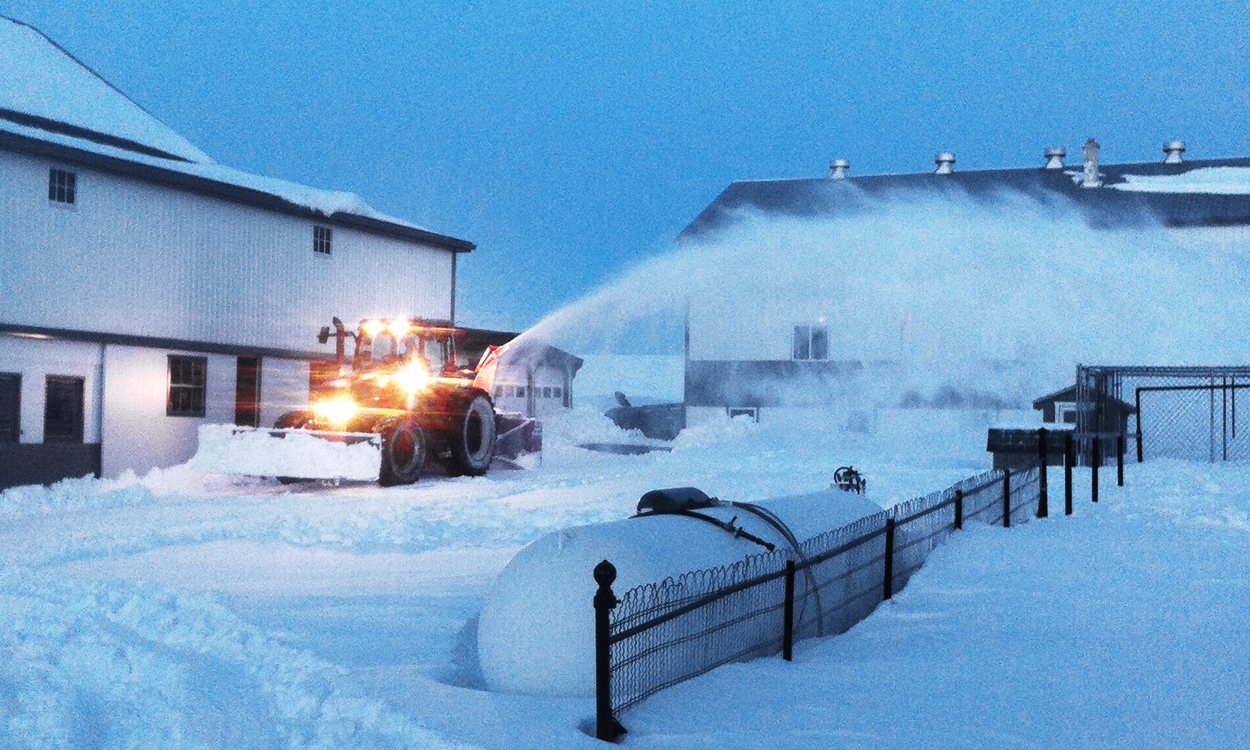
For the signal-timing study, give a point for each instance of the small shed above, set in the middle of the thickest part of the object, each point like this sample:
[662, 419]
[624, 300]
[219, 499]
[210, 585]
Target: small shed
[1061, 407]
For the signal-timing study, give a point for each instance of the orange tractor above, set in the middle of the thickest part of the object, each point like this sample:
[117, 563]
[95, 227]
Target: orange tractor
[401, 398]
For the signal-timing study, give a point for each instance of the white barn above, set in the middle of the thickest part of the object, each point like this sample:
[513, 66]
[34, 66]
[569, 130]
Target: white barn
[145, 289]
[799, 350]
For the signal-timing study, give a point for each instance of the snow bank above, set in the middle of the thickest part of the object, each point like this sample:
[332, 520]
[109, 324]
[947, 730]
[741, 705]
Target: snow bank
[536, 631]
[120, 665]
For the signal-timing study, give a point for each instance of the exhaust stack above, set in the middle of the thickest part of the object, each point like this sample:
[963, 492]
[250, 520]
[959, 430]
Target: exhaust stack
[1091, 165]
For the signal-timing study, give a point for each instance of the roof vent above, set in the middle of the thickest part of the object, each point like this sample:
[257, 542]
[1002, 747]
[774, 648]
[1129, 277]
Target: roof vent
[1091, 165]
[945, 162]
[838, 169]
[1173, 149]
[1054, 157]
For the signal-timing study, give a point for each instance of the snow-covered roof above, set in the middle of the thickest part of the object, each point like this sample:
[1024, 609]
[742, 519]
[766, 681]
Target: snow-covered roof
[1213, 192]
[52, 104]
[1209, 180]
[50, 87]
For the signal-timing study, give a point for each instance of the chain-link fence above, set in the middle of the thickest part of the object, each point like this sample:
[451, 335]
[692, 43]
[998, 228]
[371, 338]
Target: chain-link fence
[1173, 412]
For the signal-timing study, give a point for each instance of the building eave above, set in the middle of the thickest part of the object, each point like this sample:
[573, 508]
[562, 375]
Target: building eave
[223, 191]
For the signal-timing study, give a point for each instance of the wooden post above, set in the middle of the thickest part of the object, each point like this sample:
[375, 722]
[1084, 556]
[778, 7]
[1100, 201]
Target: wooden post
[959, 509]
[887, 590]
[606, 725]
[1006, 498]
[787, 635]
[1069, 458]
[1043, 501]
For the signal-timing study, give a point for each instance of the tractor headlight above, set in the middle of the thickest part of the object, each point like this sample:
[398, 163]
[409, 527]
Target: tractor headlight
[338, 410]
[413, 378]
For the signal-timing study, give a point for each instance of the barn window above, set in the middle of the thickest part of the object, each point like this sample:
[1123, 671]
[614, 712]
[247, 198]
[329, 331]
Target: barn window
[62, 411]
[321, 240]
[62, 186]
[811, 342]
[10, 407]
[187, 378]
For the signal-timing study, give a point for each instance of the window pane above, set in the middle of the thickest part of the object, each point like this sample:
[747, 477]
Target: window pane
[820, 342]
[62, 416]
[802, 342]
[187, 376]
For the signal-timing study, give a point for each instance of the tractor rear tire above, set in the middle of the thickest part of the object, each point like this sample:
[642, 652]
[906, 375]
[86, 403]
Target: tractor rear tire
[403, 454]
[473, 444]
[292, 420]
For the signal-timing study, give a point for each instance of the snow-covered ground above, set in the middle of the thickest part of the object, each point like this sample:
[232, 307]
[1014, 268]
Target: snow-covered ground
[187, 610]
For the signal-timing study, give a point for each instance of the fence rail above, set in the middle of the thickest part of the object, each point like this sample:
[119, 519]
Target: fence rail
[659, 634]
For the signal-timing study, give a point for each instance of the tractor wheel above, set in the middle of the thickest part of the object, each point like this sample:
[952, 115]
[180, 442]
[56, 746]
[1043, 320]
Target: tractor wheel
[403, 454]
[292, 420]
[473, 444]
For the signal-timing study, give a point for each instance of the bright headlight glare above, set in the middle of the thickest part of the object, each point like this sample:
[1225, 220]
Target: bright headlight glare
[338, 410]
[374, 327]
[413, 378]
[400, 328]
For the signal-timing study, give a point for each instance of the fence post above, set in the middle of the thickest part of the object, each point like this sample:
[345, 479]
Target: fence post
[1043, 501]
[1119, 465]
[959, 509]
[888, 586]
[1006, 498]
[787, 635]
[1069, 458]
[606, 725]
[1138, 420]
[1095, 459]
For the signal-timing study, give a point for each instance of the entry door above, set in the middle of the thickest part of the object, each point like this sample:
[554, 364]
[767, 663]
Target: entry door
[247, 392]
[10, 407]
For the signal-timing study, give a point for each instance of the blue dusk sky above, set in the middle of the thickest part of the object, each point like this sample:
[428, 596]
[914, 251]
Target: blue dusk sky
[572, 143]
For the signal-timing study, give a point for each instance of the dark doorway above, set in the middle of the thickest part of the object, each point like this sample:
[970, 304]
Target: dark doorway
[10, 407]
[247, 392]
[62, 413]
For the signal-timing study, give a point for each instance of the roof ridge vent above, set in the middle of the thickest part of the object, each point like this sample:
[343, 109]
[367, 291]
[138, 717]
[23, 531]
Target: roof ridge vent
[838, 169]
[1173, 149]
[945, 162]
[1090, 179]
[1054, 157]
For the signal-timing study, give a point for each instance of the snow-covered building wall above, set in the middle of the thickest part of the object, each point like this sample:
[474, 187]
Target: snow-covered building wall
[145, 290]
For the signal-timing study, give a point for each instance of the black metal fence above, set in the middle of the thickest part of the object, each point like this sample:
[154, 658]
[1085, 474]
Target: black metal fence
[1169, 412]
[663, 633]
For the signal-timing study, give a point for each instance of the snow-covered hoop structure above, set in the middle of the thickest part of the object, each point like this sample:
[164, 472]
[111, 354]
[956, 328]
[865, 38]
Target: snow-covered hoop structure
[536, 631]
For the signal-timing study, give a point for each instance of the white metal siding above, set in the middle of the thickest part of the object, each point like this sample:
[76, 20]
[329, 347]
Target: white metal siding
[140, 259]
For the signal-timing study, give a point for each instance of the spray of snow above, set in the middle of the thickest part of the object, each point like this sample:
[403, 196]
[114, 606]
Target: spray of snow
[998, 297]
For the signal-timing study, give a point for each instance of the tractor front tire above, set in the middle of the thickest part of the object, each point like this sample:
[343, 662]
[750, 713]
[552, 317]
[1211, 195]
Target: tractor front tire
[403, 454]
[473, 444]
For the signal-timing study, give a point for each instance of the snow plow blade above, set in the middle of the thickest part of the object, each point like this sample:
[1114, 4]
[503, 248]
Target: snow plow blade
[293, 453]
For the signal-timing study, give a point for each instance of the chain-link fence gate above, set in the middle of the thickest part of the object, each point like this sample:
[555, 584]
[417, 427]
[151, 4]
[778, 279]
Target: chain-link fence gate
[1174, 412]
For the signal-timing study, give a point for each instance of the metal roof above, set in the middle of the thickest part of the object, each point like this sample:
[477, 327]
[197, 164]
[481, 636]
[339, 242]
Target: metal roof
[1118, 202]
